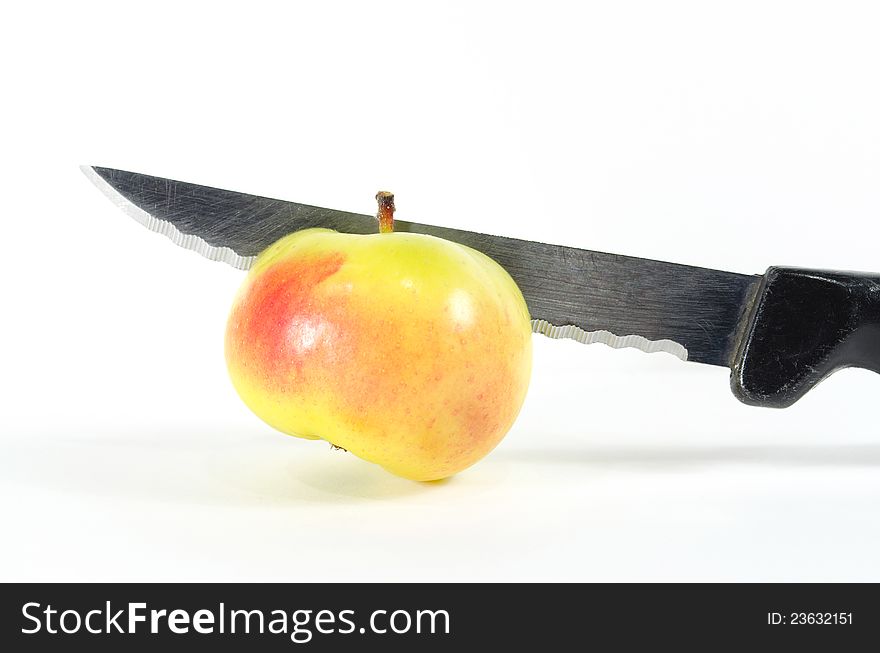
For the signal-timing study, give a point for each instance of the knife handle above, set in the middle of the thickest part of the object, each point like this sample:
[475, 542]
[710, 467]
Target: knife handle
[804, 326]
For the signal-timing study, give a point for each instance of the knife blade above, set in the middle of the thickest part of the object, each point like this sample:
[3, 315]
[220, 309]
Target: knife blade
[698, 314]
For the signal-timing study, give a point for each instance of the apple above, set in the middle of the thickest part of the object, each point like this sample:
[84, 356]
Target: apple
[407, 350]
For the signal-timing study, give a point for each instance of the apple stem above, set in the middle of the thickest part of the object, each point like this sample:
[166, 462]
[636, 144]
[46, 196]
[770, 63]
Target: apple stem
[386, 211]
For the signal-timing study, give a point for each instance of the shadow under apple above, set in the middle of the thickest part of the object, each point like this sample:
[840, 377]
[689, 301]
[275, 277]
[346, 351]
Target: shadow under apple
[264, 469]
[202, 468]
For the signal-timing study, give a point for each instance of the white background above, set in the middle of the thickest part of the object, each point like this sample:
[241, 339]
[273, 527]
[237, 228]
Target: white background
[730, 135]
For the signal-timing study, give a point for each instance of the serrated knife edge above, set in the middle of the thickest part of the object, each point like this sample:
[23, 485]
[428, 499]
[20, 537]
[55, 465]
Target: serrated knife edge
[167, 229]
[634, 341]
[228, 256]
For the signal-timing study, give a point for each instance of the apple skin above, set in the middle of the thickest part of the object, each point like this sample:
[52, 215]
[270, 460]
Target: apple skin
[407, 350]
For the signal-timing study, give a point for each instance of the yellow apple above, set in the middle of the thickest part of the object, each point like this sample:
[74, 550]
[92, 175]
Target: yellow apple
[407, 350]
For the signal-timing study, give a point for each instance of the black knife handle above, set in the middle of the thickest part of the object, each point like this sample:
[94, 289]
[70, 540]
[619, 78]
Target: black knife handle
[804, 326]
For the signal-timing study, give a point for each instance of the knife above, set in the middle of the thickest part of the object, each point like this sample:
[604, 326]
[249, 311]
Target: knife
[780, 333]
